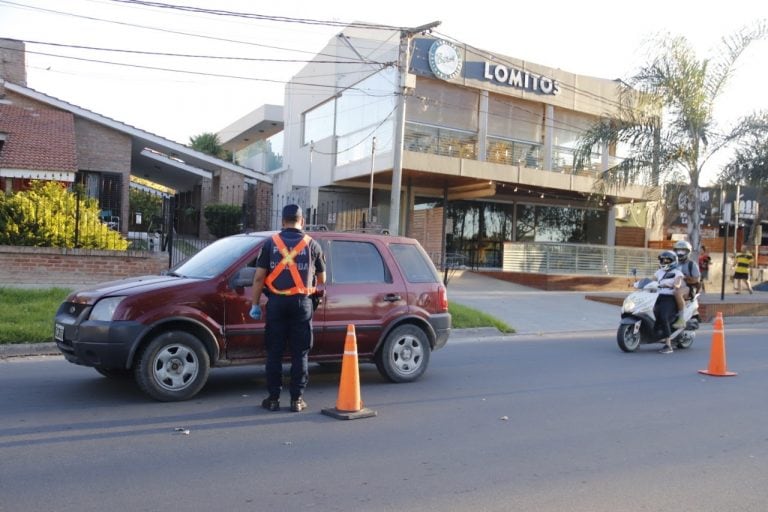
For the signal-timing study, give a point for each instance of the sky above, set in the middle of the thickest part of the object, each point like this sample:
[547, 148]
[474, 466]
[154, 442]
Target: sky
[606, 39]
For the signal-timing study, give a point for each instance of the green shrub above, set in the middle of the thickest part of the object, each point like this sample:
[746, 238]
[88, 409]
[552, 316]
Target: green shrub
[223, 219]
[48, 215]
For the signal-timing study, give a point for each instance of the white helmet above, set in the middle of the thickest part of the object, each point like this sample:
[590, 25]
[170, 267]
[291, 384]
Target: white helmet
[667, 260]
[682, 249]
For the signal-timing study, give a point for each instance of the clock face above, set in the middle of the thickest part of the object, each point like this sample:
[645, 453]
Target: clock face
[444, 60]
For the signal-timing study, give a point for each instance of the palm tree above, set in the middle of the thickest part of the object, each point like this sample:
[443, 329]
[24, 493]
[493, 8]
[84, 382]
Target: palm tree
[666, 119]
[210, 144]
[750, 167]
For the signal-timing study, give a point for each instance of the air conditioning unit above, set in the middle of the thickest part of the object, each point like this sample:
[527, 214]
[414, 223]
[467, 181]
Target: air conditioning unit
[622, 212]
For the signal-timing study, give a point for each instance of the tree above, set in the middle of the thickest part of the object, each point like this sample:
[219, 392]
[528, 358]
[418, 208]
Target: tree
[750, 167]
[210, 144]
[666, 119]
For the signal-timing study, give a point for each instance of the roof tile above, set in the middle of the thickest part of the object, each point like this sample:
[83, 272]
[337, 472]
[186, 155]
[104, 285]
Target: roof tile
[37, 139]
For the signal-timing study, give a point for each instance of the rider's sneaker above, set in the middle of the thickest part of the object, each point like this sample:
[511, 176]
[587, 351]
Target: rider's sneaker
[666, 350]
[679, 323]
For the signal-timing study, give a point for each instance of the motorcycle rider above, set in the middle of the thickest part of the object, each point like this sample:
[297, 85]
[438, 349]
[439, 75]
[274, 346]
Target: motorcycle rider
[692, 276]
[670, 279]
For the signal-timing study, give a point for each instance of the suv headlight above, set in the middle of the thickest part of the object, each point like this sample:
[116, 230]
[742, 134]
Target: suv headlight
[105, 308]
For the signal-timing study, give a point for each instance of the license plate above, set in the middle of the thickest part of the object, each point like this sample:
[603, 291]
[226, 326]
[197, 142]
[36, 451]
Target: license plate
[58, 332]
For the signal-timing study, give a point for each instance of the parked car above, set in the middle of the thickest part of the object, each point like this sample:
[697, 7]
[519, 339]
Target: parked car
[168, 330]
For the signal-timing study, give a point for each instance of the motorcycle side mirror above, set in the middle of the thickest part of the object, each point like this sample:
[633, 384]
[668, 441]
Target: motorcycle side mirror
[634, 271]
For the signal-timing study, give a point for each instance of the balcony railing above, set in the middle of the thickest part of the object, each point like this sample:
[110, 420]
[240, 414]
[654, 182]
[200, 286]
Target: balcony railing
[440, 141]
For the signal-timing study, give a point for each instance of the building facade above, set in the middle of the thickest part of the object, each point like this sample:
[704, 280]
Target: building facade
[464, 151]
[46, 138]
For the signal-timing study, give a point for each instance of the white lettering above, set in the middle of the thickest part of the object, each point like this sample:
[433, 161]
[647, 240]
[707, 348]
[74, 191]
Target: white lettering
[487, 74]
[546, 85]
[501, 73]
[516, 78]
[521, 79]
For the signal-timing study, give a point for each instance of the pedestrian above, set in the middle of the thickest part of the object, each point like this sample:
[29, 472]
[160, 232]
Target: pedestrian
[704, 261]
[289, 267]
[743, 262]
[670, 279]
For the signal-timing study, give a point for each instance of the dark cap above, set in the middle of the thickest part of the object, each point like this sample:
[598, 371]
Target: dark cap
[292, 211]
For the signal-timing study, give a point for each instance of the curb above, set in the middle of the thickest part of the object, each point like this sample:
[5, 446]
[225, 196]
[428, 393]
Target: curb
[8, 350]
[28, 349]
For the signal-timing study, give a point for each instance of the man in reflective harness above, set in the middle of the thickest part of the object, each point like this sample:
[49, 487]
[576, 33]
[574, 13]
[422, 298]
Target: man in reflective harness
[289, 266]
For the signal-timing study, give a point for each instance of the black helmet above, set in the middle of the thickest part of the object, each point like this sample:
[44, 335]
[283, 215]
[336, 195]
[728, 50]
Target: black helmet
[682, 249]
[667, 260]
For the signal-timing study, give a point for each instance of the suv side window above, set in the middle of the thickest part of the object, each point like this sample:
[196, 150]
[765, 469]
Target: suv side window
[357, 262]
[414, 264]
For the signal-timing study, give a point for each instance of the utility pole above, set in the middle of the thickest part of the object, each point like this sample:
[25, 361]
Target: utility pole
[309, 178]
[404, 58]
[736, 207]
[370, 196]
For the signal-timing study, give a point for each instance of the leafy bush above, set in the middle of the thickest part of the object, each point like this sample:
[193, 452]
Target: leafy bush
[223, 219]
[48, 215]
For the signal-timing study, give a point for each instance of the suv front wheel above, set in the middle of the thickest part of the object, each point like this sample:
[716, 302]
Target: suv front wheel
[404, 355]
[174, 366]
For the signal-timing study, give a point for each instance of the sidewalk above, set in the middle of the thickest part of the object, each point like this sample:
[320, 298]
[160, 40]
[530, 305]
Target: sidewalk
[533, 311]
[530, 310]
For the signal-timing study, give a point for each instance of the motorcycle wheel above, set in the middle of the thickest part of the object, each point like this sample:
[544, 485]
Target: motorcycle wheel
[627, 338]
[685, 340]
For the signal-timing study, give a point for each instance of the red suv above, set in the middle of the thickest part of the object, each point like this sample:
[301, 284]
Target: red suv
[169, 330]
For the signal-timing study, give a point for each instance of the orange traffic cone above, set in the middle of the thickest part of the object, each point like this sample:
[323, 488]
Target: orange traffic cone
[349, 405]
[717, 367]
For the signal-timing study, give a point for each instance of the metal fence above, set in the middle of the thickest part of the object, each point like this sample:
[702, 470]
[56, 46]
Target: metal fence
[333, 215]
[555, 258]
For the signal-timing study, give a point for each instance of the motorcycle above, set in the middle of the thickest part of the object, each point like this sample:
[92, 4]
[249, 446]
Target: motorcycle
[638, 322]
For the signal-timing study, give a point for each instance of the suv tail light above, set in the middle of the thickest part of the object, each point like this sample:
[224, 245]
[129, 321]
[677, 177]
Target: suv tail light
[443, 298]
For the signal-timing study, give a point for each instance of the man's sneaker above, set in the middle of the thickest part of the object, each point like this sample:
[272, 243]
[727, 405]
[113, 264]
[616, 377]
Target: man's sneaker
[298, 405]
[666, 350]
[271, 404]
[679, 323]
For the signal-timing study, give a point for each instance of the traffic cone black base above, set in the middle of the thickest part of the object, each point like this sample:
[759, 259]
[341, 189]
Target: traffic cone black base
[345, 415]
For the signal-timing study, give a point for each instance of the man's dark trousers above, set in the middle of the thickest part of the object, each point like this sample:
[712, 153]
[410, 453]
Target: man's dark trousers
[289, 323]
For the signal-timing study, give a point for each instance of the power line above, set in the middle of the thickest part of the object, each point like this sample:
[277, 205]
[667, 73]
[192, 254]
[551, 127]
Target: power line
[283, 19]
[160, 29]
[173, 70]
[193, 56]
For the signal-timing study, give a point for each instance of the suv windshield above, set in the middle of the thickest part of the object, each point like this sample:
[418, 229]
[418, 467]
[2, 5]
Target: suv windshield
[217, 257]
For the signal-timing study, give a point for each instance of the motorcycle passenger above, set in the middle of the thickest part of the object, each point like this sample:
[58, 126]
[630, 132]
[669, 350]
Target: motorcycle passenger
[670, 279]
[692, 277]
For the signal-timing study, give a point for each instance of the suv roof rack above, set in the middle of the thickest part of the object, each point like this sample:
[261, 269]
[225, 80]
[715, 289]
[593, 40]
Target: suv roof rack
[380, 231]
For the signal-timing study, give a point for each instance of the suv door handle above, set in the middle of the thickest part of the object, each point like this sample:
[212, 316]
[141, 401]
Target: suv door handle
[392, 297]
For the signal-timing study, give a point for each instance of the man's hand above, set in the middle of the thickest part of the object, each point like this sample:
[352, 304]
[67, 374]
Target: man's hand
[255, 312]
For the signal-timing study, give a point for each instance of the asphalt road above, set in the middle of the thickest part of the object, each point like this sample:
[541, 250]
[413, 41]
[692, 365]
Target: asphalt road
[531, 423]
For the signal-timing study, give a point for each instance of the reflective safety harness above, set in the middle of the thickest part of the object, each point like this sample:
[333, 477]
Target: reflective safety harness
[288, 262]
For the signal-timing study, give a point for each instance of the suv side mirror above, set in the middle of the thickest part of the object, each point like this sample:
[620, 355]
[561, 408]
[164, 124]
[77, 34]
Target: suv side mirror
[242, 278]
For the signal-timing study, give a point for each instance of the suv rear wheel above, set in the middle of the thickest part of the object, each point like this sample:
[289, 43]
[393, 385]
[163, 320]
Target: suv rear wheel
[174, 366]
[404, 355]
